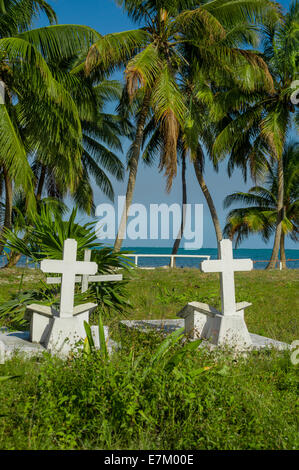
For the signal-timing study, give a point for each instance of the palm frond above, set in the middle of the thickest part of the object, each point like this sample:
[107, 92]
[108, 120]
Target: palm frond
[113, 50]
[13, 153]
[61, 41]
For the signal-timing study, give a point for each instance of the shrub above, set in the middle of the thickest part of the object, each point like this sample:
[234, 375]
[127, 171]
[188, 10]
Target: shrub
[152, 395]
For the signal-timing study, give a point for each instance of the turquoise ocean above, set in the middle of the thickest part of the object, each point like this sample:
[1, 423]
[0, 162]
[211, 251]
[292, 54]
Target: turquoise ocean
[259, 256]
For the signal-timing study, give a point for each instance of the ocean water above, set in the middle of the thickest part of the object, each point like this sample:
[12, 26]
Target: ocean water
[260, 257]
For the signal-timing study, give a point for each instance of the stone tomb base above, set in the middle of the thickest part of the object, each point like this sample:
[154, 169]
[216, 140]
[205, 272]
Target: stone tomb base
[57, 334]
[169, 326]
[49, 332]
[18, 342]
[202, 321]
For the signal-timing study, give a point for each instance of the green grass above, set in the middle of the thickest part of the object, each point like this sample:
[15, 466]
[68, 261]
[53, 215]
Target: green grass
[204, 401]
[11, 279]
[244, 403]
[274, 296]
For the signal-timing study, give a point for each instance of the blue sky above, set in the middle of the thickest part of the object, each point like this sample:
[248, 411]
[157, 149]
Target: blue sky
[106, 17]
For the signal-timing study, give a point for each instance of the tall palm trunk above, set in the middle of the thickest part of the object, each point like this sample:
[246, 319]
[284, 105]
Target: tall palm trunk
[280, 216]
[209, 200]
[8, 206]
[282, 251]
[41, 182]
[184, 202]
[133, 169]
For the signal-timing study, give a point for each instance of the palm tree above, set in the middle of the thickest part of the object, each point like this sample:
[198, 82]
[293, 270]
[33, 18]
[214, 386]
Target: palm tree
[199, 134]
[33, 97]
[100, 138]
[100, 132]
[260, 122]
[195, 140]
[153, 57]
[261, 215]
[176, 245]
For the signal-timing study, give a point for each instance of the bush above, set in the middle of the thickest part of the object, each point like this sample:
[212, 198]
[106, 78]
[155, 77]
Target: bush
[151, 396]
[45, 239]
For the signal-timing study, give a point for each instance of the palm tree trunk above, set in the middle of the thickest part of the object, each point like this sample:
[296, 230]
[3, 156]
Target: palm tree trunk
[41, 183]
[184, 202]
[8, 200]
[209, 200]
[8, 206]
[13, 260]
[282, 251]
[280, 216]
[133, 169]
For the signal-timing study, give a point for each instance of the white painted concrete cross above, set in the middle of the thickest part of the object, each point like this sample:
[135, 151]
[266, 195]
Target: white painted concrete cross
[227, 266]
[68, 268]
[86, 279]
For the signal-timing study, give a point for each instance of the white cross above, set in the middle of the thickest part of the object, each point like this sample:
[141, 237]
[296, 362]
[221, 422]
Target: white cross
[68, 267]
[227, 266]
[84, 280]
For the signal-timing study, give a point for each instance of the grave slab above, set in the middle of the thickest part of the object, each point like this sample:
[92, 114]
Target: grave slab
[60, 330]
[18, 342]
[167, 326]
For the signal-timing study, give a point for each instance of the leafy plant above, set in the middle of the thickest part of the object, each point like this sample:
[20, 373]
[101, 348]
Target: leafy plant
[12, 312]
[45, 239]
[8, 377]
[46, 234]
[162, 358]
[89, 346]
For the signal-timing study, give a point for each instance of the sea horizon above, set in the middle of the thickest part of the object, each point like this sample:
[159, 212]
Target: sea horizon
[260, 256]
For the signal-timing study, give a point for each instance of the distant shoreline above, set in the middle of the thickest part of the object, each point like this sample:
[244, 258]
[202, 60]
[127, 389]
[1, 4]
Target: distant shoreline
[259, 256]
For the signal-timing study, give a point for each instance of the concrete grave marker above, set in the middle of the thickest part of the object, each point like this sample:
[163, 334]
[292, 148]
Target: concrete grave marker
[60, 330]
[227, 266]
[86, 279]
[228, 326]
[68, 267]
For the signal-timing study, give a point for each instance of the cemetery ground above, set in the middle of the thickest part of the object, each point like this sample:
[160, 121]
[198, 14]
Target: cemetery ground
[200, 400]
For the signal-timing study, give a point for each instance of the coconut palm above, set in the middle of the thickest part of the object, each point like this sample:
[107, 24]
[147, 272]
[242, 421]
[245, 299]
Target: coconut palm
[176, 245]
[261, 215]
[153, 56]
[199, 134]
[98, 129]
[100, 139]
[259, 122]
[33, 97]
